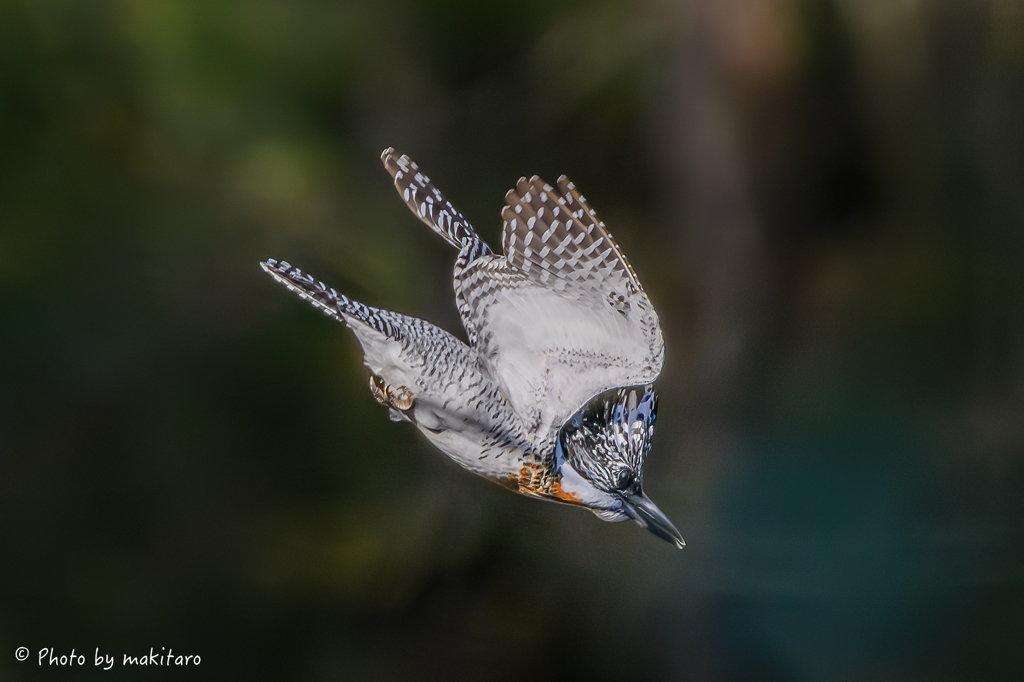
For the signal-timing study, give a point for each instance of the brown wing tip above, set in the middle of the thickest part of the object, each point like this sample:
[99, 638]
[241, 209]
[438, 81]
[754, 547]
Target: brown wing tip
[396, 163]
[389, 157]
[537, 182]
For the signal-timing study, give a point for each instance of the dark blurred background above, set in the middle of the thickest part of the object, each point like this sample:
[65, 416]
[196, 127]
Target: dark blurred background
[823, 198]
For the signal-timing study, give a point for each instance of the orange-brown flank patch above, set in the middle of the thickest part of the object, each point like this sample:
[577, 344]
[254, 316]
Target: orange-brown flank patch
[532, 481]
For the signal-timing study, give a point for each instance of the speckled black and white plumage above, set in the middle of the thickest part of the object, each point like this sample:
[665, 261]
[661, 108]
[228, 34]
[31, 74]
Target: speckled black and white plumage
[552, 396]
[456, 406]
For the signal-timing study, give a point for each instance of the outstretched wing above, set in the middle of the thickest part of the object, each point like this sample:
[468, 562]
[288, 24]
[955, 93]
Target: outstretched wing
[562, 316]
[427, 203]
[430, 206]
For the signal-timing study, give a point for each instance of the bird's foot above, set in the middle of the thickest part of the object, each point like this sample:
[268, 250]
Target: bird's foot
[400, 398]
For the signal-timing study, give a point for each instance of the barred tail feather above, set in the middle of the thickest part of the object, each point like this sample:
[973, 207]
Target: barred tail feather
[329, 301]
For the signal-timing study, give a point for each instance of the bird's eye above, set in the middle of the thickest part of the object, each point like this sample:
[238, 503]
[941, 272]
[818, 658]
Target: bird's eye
[624, 479]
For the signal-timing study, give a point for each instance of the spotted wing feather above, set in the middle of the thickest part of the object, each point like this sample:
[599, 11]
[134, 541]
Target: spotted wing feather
[555, 237]
[427, 203]
[562, 315]
[430, 206]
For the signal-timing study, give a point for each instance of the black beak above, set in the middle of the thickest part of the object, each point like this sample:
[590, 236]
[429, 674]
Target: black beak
[642, 510]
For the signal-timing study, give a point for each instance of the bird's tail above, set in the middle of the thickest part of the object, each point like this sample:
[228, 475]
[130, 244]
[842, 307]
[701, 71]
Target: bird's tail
[329, 301]
[428, 204]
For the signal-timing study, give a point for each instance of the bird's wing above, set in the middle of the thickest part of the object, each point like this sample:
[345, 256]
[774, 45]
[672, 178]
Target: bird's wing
[427, 203]
[430, 206]
[561, 316]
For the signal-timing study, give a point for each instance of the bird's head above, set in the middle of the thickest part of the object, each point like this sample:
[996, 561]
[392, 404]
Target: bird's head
[605, 443]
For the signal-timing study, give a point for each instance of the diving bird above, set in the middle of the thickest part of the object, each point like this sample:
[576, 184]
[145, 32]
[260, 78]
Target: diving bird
[553, 396]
